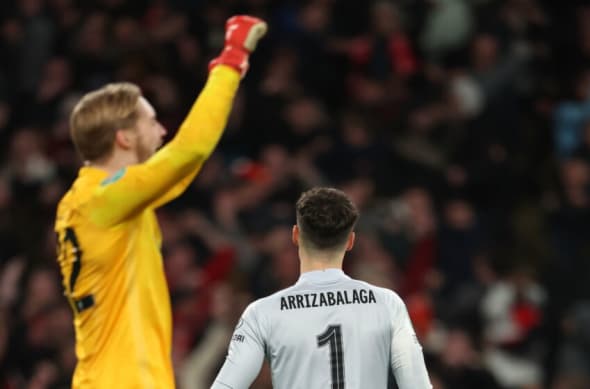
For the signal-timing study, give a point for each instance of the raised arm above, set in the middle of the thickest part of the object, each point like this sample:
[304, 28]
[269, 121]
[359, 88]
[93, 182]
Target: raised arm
[177, 189]
[168, 172]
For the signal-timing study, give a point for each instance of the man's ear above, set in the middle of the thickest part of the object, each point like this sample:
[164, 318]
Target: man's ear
[124, 139]
[295, 235]
[350, 241]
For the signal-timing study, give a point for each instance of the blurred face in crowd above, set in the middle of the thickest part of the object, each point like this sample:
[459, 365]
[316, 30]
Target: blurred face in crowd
[582, 87]
[385, 18]
[484, 52]
[419, 204]
[459, 214]
[459, 349]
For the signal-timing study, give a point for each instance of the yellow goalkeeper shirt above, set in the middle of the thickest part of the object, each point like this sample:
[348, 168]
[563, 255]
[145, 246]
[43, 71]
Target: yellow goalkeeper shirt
[109, 251]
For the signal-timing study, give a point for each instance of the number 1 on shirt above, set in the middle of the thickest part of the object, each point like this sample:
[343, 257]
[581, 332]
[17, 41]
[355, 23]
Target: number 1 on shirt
[70, 236]
[333, 336]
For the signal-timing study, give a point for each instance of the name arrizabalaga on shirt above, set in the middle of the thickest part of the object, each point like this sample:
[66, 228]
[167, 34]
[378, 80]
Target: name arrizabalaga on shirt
[328, 299]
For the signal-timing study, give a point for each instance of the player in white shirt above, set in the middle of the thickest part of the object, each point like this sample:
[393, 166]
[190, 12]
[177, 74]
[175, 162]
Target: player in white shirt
[328, 331]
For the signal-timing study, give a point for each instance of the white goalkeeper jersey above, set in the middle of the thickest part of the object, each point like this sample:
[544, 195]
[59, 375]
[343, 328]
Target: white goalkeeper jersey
[328, 331]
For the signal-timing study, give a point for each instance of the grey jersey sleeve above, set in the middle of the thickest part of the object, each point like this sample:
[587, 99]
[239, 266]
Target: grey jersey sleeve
[407, 360]
[245, 356]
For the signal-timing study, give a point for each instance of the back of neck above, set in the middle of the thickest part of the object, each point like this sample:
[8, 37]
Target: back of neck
[318, 266]
[114, 162]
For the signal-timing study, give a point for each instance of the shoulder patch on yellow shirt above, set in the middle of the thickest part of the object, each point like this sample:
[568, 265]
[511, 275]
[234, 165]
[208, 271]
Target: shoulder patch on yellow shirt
[114, 178]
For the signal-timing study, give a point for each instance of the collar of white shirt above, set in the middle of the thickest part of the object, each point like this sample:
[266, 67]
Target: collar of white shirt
[325, 276]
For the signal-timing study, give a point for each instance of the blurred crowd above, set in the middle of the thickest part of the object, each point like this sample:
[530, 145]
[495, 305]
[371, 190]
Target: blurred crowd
[460, 128]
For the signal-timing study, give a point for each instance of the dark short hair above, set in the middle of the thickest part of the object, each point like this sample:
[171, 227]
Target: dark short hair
[325, 217]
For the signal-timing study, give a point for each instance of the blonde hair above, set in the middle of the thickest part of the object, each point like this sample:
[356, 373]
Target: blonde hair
[99, 114]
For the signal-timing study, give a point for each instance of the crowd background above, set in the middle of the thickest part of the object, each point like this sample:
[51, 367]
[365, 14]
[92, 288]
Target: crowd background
[461, 129]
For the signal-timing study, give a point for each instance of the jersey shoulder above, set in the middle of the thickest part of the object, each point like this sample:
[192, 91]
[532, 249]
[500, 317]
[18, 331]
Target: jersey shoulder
[75, 200]
[65, 208]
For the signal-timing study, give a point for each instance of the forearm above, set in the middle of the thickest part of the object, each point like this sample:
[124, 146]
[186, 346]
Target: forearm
[237, 374]
[408, 365]
[201, 130]
[178, 189]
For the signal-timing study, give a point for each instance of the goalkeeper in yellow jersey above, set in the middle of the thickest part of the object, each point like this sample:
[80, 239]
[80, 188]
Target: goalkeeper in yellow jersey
[109, 239]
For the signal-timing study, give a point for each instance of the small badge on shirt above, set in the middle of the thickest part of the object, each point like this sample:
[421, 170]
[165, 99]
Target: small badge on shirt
[114, 178]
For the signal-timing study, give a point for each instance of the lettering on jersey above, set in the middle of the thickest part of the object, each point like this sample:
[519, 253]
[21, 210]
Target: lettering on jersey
[323, 301]
[114, 178]
[238, 338]
[328, 299]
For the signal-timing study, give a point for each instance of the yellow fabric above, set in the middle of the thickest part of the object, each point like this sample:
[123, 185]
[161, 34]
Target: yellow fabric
[124, 339]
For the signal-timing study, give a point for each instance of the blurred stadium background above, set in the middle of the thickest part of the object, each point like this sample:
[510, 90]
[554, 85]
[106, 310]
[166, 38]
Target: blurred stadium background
[461, 128]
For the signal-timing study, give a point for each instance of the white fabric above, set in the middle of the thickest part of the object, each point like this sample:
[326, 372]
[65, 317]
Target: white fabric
[326, 331]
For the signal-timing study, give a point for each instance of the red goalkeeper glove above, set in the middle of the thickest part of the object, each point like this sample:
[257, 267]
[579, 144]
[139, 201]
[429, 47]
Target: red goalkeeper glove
[242, 33]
